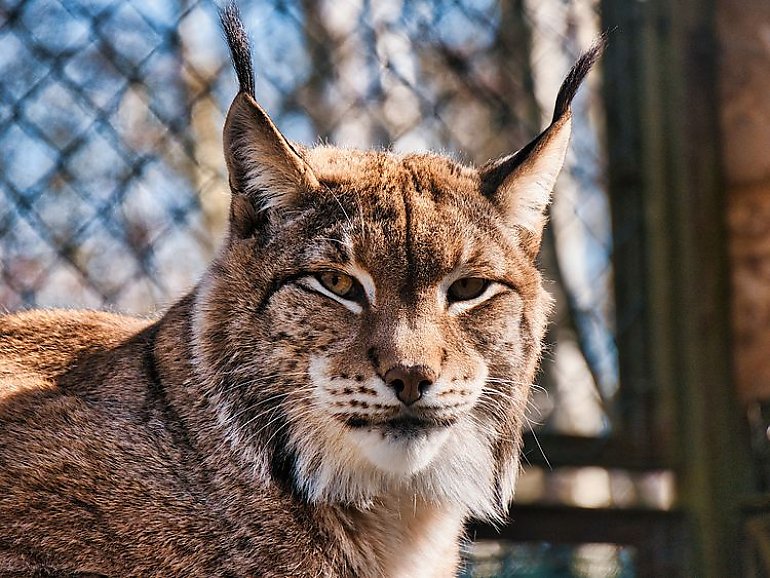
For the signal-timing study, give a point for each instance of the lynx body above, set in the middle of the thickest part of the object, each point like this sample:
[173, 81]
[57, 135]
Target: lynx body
[342, 390]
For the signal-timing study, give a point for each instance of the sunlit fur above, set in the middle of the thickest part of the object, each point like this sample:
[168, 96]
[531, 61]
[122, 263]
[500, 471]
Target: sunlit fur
[251, 429]
[408, 223]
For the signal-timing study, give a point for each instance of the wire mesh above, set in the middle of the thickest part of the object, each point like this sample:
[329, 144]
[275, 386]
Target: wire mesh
[112, 184]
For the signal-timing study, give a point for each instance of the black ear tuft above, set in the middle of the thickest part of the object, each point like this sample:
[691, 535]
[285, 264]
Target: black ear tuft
[496, 172]
[520, 184]
[576, 75]
[240, 51]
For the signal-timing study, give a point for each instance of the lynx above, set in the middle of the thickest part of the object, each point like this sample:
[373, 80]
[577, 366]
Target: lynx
[340, 393]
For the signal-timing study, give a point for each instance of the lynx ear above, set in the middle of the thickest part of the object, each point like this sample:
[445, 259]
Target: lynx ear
[264, 167]
[521, 184]
[262, 163]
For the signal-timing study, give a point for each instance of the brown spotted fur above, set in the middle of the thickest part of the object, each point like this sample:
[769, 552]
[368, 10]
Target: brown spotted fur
[239, 434]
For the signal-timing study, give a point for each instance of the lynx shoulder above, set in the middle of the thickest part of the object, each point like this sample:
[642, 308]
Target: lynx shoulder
[342, 390]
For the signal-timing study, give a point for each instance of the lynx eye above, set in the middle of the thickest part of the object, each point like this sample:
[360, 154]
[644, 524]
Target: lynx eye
[467, 288]
[338, 283]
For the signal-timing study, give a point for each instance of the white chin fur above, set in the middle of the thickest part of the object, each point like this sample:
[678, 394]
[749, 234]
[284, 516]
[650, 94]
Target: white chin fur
[454, 466]
[396, 453]
[336, 464]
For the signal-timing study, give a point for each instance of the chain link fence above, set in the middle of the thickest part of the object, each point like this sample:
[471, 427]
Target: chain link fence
[112, 185]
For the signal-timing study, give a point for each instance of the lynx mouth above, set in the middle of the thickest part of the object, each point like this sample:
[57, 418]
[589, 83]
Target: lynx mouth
[404, 444]
[402, 424]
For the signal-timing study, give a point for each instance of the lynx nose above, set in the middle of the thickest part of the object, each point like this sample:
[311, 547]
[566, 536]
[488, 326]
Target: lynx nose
[410, 382]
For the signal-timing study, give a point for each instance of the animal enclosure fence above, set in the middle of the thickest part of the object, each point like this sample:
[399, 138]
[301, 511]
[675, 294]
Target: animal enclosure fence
[112, 185]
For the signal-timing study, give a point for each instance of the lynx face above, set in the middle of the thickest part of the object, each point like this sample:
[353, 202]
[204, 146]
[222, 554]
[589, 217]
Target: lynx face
[374, 322]
[383, 329]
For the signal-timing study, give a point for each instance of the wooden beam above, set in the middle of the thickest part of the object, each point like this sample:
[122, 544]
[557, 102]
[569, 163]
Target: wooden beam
[577, 451]
[659, 538]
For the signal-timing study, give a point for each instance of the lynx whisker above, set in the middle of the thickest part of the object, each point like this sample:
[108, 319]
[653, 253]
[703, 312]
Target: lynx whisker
[534, 411]
[537, 441]
[274, 401]
[255, 382]
[273, 405]
[331, 240]
[271, 421]
[306, 413]
[518, 384]
[484, 428]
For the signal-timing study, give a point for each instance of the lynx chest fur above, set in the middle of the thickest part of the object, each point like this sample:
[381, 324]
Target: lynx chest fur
[343, 389]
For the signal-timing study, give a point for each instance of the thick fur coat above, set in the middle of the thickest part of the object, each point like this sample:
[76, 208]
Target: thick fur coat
[342, 390]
